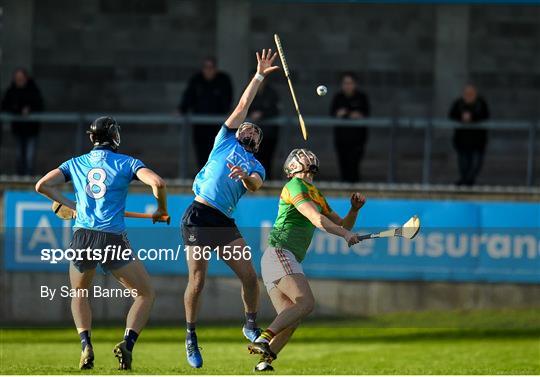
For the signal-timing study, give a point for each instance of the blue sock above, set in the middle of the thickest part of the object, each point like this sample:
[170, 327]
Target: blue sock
[85, 339]
[130, 337]
[251, 321]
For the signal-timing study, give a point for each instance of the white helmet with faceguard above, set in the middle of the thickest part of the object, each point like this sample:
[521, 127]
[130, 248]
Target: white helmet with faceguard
[249, 135]
[301, 160]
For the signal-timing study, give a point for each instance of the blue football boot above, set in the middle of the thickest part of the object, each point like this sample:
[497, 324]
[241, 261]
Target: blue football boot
[193, 353]
[251, 334]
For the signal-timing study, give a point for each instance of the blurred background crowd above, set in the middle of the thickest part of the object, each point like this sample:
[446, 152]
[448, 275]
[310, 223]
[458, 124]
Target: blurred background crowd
[432, 62]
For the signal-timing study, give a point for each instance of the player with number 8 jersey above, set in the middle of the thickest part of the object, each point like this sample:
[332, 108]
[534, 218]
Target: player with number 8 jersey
[100, 180]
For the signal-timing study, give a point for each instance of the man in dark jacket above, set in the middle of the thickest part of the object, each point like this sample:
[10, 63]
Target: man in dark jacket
[350, 103]
[208, 92]
[265, 106]
[469, 139]
[22, 98]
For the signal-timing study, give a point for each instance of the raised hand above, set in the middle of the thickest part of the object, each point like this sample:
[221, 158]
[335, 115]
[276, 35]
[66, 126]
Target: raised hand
[264, 62]
[357, 200]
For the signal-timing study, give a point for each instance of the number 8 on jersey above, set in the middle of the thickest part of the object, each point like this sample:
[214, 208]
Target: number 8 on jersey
[96, 183]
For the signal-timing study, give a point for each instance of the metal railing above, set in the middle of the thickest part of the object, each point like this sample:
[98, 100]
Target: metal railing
[390, 123]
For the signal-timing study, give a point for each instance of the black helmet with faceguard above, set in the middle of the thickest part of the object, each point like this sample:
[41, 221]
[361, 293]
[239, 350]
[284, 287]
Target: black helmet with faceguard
[105, 131]
[249, 135]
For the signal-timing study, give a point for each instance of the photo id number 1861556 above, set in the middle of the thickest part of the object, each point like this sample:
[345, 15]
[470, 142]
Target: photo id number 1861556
[228, 252]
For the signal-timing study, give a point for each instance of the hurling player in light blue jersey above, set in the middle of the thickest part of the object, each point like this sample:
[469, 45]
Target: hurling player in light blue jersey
[100, 180]
[207, 224]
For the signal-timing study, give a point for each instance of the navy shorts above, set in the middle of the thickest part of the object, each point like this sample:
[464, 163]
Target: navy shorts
[99, 240]
[203, 225]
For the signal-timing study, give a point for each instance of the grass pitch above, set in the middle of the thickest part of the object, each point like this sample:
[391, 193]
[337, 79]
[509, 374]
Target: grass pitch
[502, 342]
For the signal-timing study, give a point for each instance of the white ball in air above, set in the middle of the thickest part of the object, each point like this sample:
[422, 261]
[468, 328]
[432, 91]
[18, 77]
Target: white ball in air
[321, 90]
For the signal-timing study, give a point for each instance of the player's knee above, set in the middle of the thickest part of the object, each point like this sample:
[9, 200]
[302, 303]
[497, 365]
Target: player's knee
[306, 303]
[196, 287]
[80, 288]
[309, 306]
[196, 282]
[144, 293]
[250, 279]
[39, 186]
[150, 294]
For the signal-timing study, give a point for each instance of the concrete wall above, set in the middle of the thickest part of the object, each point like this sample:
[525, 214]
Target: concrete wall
[126, 56]
[16, 37]
[21, 302]
[122, 55]
[504, 58]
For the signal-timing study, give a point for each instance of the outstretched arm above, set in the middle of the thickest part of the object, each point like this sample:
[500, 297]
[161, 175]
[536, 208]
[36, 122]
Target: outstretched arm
[48, 187]
[322, 222]
[264, 67]
[148, 177]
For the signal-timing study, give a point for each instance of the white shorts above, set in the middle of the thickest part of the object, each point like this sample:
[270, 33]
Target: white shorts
[277, 263]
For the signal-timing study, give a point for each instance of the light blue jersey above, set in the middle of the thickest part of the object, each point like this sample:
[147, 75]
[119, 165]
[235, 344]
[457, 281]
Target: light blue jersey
[213, 182]
[101, 179]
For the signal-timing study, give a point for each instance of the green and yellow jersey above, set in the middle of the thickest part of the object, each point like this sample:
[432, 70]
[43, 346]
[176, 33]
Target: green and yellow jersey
[292, 230]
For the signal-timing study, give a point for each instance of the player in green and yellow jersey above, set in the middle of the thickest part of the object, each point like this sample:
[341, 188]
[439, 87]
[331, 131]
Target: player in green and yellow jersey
[302, 208]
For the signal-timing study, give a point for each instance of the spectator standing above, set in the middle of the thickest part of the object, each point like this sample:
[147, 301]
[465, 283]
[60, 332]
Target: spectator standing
[265, 106]
[208, 92]
[350, 103]
[469, 140]
[23, 97]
